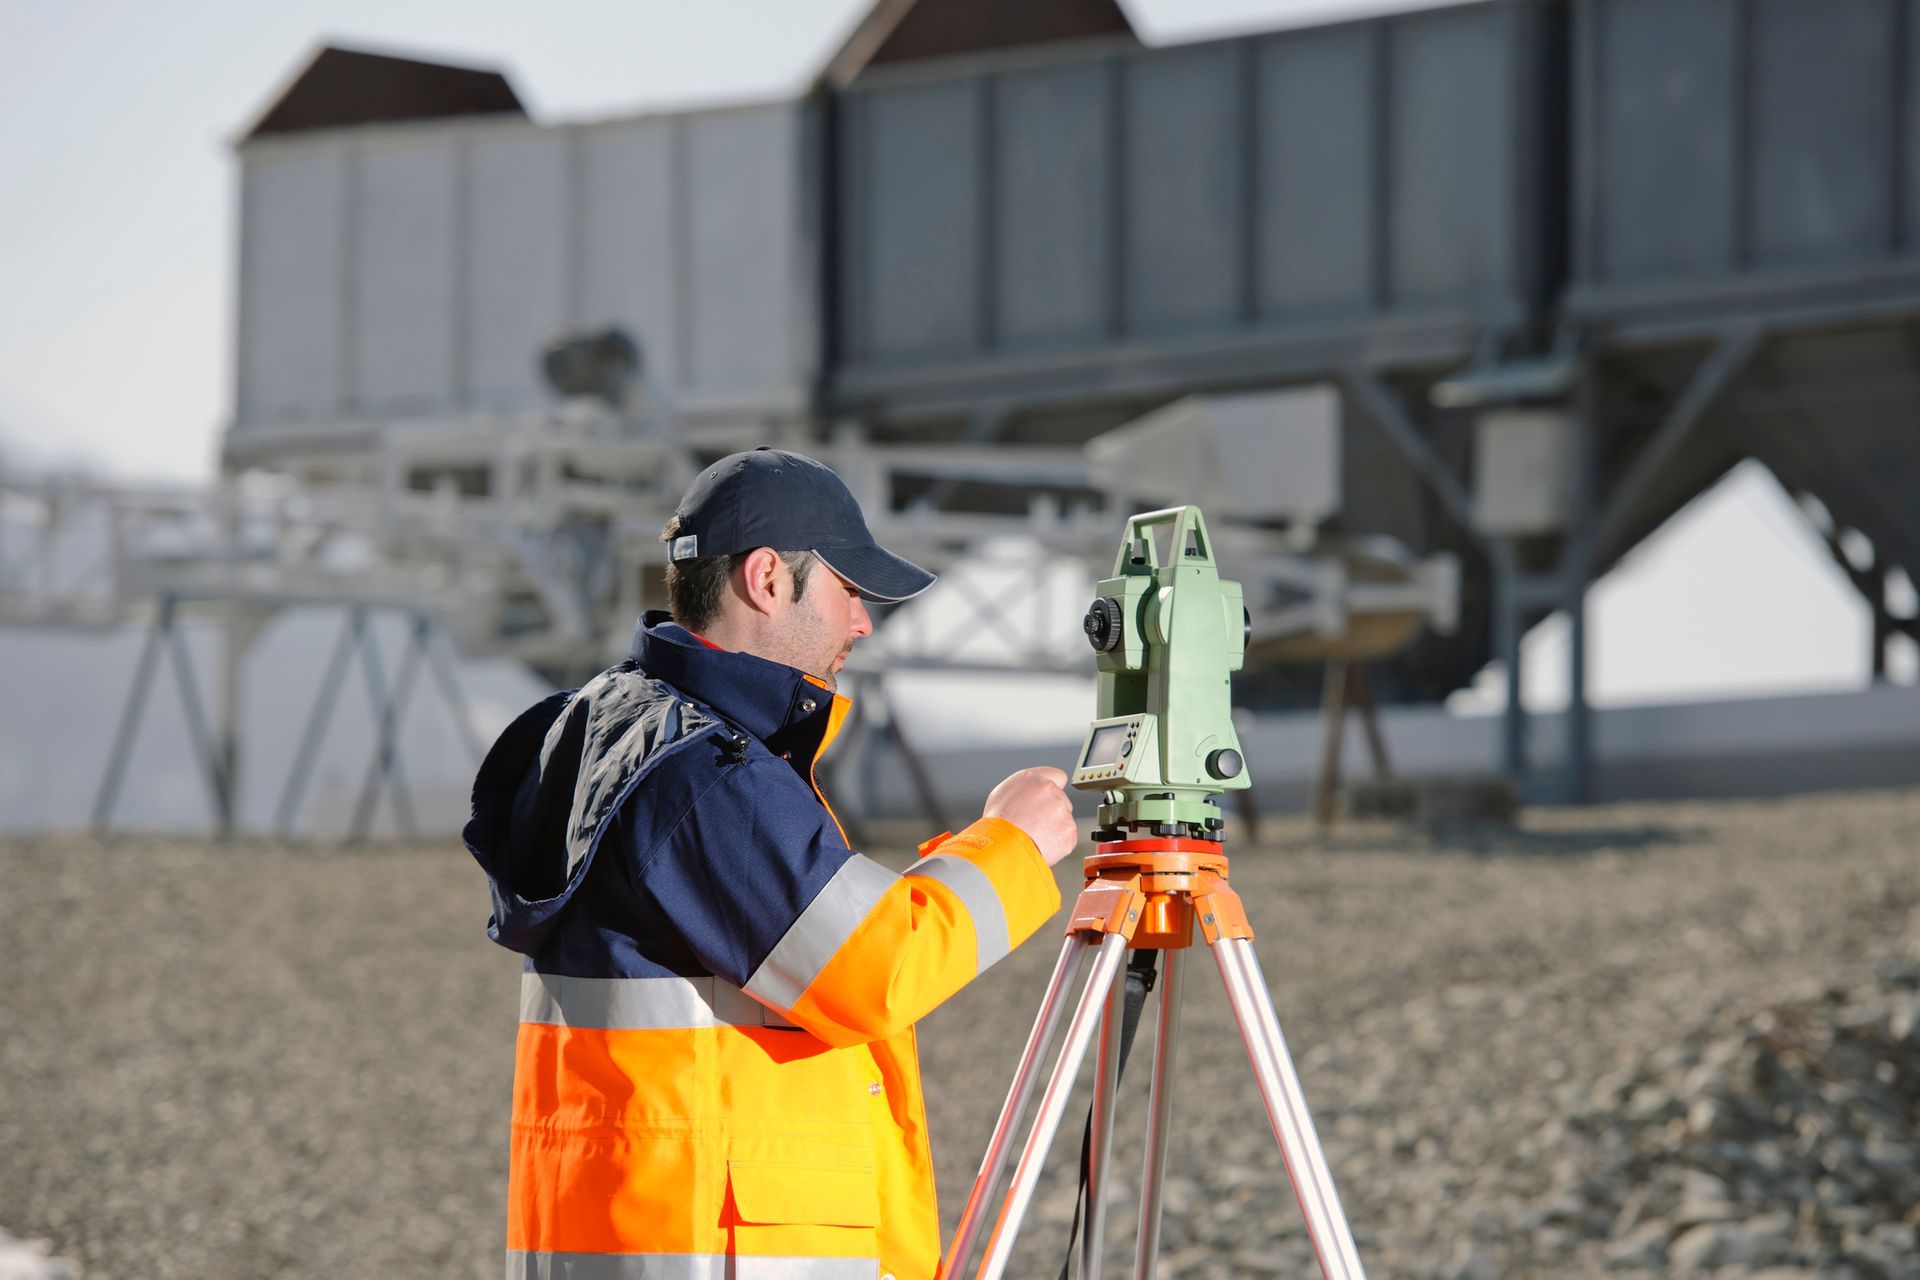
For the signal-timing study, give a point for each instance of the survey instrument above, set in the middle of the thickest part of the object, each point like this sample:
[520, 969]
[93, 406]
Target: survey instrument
[1168, 632]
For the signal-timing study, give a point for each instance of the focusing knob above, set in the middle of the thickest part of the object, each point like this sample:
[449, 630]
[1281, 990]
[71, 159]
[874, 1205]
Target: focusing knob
[1225, 763]
[1102, 625]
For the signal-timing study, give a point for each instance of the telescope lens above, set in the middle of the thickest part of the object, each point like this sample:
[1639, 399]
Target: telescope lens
[1102, 625]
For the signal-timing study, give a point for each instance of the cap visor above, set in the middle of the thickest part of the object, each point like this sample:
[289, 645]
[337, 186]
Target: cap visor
[877, 573]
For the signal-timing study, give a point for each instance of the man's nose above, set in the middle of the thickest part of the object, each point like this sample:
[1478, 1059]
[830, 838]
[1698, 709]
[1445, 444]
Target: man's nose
[862, 620]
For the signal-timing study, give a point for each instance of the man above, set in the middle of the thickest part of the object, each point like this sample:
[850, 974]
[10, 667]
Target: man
[715, 1075]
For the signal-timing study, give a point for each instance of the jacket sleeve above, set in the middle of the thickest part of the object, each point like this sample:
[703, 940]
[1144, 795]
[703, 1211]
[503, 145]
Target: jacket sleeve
[759, 881]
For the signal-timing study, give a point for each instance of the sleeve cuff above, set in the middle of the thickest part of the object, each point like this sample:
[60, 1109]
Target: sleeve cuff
[1010, 860]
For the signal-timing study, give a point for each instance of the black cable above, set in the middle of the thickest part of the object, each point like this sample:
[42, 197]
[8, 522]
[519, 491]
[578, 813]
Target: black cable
[1140, 976]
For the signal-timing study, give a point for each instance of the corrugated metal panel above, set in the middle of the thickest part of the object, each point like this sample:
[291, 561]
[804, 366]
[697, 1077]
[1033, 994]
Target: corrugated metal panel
[1663, 126]
[1184, 174]
[918, 256]
[1316, 123]
[1908, 157]
[1053, 153]
[418, 271]
[742, 181]
[1451, 154]
[405, 240]
[518, 253]
[1067, 204]
[627, 224]
[292, 260]
[1824, 81]
[1729, 138]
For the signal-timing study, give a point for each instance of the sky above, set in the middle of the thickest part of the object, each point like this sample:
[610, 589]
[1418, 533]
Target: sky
[117, 229]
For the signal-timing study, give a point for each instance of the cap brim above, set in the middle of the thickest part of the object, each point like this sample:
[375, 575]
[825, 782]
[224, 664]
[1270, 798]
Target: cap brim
[877, 573]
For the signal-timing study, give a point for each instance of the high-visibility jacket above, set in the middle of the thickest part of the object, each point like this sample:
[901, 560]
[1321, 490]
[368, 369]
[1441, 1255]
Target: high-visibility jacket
[715, 1074]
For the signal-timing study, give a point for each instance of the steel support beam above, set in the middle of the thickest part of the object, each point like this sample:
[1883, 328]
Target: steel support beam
[1381, 405]
[165, 634]
[1579, 558]
[109, 793]
[384, 766]
[1870, 582]
[302, 768]
[456, 700]
[1713, 375]
[205, 745]
[1508, 625]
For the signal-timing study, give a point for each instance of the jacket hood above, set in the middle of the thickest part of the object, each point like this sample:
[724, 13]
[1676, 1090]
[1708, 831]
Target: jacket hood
[556, 777]
[552, 782]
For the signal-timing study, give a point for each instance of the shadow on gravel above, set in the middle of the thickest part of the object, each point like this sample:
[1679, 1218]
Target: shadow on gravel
[1498, 842]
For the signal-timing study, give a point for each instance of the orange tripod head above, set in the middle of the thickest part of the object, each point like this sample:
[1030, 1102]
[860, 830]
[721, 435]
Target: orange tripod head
[1153, 890]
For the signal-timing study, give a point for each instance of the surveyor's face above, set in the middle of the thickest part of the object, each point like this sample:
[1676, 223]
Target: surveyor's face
[826, 621]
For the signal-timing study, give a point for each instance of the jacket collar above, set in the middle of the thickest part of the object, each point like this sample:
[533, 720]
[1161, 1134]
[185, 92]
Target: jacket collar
[780, 705]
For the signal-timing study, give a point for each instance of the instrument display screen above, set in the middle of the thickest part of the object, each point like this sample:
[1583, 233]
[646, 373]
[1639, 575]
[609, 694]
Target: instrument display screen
[1104, 747]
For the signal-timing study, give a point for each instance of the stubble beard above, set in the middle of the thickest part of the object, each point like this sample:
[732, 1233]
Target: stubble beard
[806, 646]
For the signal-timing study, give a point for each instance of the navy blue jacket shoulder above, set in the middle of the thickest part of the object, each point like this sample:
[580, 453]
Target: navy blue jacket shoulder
[661, 819]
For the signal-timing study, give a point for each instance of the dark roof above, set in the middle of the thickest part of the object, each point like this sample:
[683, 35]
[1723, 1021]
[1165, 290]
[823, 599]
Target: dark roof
[347, 87]
[908, 30]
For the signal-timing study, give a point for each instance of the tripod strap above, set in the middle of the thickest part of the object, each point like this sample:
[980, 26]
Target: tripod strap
[1140, 976]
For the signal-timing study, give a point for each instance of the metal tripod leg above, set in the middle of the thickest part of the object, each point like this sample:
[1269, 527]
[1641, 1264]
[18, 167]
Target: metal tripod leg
[1052, 1008]
[1106, 1089]
[1287, 1110]
[1146, 1256]
[1053, 1103]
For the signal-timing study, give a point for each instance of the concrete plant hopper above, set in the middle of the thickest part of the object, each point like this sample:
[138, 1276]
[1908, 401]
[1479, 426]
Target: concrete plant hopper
[1562, 264]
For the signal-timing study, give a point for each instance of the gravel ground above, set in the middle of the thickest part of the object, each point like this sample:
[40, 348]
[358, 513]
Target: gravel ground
[1627, 1041]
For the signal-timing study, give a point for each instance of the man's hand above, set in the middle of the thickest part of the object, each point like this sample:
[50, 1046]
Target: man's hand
[1035, 800]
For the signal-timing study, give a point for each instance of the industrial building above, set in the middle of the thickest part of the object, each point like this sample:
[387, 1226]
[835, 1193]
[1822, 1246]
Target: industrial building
[1439, 313]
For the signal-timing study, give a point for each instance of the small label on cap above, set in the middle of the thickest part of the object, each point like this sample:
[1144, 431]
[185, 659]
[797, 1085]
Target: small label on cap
[686, 547]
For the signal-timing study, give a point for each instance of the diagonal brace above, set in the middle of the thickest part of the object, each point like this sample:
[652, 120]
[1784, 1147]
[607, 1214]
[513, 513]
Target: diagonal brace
[1720, 368]
[1391, 417]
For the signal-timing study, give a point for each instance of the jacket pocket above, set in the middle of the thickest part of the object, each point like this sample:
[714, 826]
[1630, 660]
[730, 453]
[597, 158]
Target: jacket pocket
[825, 1195]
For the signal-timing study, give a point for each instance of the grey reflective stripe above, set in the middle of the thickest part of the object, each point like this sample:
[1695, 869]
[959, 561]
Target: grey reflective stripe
[525, 1265]
[640, 1004]
[977, 894]
[829, 920]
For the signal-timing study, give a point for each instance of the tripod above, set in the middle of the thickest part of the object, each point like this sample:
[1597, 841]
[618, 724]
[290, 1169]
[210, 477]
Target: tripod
[1147, 894]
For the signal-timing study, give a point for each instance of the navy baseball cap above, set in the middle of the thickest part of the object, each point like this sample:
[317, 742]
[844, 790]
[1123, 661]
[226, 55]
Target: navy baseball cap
[771, 498]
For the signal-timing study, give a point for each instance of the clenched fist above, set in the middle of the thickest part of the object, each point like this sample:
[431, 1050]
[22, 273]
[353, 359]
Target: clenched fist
[1035, 800]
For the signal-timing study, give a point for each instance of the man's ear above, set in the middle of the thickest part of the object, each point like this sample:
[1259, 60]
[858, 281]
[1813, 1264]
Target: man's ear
[762, 578]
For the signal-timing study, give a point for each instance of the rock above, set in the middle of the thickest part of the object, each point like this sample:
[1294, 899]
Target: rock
[1767, 1238]
[32, 1260]
[1706, 1116]
[1707, 1245]
[1649, 1102]
[1262, 1263]
[1895, 1237]
[1470, 1263]
[1704, 1187]
[1644, 1247]
[1235, 1177]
